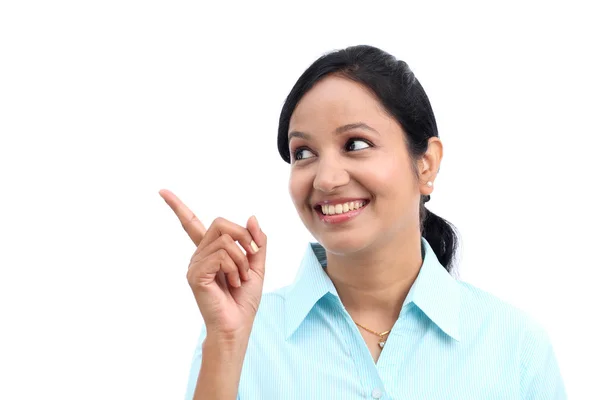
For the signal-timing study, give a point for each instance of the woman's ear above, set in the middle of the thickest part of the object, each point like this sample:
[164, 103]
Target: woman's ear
[432, 159]
[437, 151]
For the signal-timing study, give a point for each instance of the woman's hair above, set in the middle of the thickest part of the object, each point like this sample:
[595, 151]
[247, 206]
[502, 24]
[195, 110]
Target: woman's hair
[403, 97]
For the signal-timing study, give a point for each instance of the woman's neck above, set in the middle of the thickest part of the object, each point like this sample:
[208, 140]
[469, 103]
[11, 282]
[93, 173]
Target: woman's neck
[373, 284]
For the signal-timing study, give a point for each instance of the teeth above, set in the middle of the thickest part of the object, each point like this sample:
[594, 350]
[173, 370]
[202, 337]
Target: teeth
[329, 209]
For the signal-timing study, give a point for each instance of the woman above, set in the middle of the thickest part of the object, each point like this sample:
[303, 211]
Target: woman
[374, 311]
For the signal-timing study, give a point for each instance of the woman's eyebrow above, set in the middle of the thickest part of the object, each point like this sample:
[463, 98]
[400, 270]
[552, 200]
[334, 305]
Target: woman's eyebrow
[339, 130]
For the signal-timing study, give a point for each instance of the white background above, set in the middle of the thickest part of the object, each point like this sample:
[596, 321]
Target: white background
[104, 103]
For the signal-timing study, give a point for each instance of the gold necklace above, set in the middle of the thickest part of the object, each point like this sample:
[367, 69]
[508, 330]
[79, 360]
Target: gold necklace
[381, 335]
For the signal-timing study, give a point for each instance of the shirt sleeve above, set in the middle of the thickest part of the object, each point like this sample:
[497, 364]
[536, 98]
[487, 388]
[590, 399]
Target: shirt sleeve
[196, 363]
[540, 374]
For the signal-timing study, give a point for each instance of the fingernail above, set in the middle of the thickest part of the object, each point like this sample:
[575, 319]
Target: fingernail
[238, 283]
[254, 246]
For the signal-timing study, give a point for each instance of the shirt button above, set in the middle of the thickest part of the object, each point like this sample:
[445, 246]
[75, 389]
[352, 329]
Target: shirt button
[376, 393]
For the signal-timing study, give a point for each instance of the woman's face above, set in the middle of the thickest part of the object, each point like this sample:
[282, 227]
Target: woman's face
[334, 160]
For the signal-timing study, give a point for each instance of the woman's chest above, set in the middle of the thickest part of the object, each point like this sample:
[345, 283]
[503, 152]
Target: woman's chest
[341, 369]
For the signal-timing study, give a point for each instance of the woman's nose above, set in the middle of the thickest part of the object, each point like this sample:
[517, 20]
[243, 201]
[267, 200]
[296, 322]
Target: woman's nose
[330, 175]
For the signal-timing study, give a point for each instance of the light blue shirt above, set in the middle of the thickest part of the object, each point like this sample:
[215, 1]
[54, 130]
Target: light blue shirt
[451, 341]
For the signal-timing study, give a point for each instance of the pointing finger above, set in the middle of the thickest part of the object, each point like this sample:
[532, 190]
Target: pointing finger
[191, 224]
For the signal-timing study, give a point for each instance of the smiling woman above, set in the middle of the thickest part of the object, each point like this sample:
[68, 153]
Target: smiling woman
[352, 148]
[374, 311]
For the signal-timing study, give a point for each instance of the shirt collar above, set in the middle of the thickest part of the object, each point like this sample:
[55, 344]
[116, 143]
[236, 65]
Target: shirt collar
[435, 292]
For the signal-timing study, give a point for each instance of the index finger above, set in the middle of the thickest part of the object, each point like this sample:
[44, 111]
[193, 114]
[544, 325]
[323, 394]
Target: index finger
[191, 224]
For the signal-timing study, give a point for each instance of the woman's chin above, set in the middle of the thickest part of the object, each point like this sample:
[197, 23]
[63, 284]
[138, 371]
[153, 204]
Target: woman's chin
[337, 243]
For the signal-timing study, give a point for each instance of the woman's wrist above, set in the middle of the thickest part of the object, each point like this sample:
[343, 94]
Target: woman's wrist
[231, 342]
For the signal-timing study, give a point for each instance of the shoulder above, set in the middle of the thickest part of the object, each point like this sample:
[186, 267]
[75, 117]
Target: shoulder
[271, 311]
[274, 298]
[483, 313]
[508, 336]
[480, 306]
[519, 337]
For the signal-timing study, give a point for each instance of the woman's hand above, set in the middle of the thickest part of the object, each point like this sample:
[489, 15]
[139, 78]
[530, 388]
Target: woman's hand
[226, 283]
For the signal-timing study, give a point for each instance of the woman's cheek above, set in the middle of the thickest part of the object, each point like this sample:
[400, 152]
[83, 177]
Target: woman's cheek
[297, 188]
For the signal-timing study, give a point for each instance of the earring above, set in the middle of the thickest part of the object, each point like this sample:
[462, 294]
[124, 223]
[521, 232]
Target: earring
[430, 184]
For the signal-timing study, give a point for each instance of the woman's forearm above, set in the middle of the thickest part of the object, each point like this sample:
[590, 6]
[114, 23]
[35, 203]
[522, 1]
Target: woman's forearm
[221, 368]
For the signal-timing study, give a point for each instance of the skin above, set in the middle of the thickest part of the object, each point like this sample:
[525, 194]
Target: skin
[374, 258]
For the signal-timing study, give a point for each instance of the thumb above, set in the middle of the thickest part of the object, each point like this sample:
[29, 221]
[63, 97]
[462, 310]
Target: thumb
[257, 260]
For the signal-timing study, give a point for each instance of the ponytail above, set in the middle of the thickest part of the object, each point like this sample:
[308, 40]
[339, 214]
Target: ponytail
[441, 235]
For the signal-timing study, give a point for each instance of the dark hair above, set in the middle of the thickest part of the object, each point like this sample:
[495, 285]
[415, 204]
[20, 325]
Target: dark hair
[401, 94]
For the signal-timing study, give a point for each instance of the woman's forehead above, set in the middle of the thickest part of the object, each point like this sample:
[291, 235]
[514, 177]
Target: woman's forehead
[334, 102]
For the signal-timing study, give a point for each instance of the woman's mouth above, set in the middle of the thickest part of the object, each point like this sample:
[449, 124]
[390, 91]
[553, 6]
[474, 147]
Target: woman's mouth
[342, 212]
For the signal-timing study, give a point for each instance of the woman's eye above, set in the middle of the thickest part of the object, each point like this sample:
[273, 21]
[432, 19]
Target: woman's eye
[351, 145]
[303, 153]
[299, 154]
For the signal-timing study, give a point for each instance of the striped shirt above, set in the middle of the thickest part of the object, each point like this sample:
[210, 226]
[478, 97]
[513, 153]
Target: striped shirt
[451, 341]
